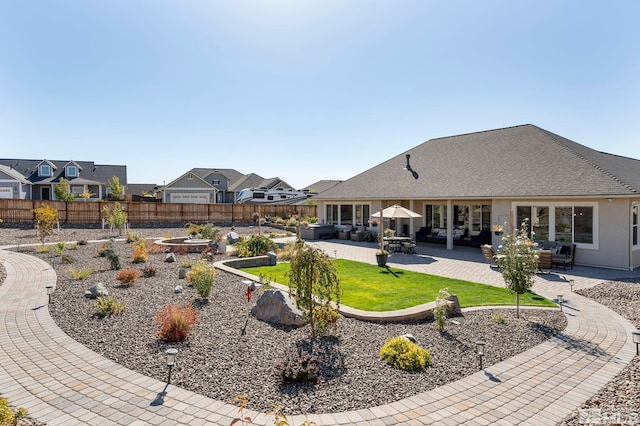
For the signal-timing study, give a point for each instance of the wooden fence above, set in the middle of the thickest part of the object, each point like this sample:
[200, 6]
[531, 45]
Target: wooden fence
[79, 212]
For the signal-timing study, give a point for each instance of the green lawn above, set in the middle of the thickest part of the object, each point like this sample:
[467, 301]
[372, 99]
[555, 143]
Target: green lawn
[372, 288]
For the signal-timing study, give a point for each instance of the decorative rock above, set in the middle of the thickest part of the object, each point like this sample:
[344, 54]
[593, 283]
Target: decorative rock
[410, 338]
[178, 289]
[170, 257]
[233, 237]
[96, 291]
[182, 273]
[277, 308]
[453, 305]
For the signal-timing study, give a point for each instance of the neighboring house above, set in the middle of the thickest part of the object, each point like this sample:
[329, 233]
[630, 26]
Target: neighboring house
[143, 192]
[471, 182]
[36, 179]
[213, 186]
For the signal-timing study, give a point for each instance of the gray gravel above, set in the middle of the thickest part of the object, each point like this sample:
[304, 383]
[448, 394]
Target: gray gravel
[230, 352]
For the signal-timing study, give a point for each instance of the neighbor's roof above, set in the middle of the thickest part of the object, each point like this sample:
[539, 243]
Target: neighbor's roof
[322, 185]
[520, 161]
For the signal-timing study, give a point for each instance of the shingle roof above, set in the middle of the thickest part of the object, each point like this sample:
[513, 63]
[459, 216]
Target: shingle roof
[322, 185]
[89, 170]
[520, 161]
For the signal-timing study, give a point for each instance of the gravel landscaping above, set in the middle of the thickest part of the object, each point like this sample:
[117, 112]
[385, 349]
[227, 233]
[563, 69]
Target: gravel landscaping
[230, 352]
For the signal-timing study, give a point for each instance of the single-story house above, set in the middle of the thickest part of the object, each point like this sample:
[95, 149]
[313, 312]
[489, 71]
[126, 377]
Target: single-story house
[214, 186]
[467, 184]
[36, 179]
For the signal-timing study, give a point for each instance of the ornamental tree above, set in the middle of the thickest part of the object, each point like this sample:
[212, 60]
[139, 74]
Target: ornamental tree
[314, 284]
[518, 262]
[46, 217]
[116, 189]
[62, 190]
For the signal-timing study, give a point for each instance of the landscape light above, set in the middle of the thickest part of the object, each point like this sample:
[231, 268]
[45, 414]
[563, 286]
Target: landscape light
[480, 351]
[171, 360]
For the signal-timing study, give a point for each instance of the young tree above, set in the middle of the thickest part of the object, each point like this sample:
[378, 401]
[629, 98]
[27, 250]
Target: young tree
[46, 217]
[62, 190]
[117, 217]
[313, 282]
[116, 190]
[518, 262]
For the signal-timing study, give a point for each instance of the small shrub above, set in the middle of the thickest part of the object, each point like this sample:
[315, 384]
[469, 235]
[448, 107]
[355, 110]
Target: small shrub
[292, 221]
[210, 232]
[128, 276]
[499, 318]
[186, 264]
[256, 245]
[298, 365]
[440, 311]
[8, 416]
[46, 217]
[133, 236]
[265, 282]
[149, 271]
[114, 259]
[175, 323]
[109, 305]
[80, 274]
[280, 221]
[43, 249]
[72, 247]
[286, 253]
[202, 276]
[401, 353]
[140, 253]
[59, 248]
[325, 318]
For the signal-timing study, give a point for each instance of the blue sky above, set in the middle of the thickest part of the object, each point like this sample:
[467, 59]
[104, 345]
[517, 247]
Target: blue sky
[307, 90]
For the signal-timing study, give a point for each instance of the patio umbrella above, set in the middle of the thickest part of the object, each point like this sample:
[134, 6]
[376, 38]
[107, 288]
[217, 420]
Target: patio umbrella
[397, 212]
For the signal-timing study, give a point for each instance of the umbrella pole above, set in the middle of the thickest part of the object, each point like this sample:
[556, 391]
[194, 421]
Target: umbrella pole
[381, 230]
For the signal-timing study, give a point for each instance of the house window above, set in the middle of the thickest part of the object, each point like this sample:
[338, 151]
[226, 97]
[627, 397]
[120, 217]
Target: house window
[332, 214]
[480, 217]
[574, 224]
[436, 215]
[45, 170]
[190, 176]
[346, 214]
[72, 171]
[77, 190]
[362, 214]
[634, 224]
[215, 182]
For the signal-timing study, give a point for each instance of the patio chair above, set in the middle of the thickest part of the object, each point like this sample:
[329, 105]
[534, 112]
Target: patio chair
[489, 254]
[544, 260]
[565, 255]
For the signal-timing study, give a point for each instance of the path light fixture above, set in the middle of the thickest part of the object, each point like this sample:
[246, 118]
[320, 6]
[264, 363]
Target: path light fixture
[49, 292]
[636, 339]
[409, 169]
[171, 360]
[480, 351]
[560, 298]
[571, 282]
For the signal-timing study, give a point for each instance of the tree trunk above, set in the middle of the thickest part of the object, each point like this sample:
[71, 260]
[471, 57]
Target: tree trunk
[517, 305]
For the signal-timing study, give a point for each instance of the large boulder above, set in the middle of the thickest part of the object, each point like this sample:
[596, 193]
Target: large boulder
[233, 237]
[453, 305]
[170, 257]
[96, 291]
[277, 308]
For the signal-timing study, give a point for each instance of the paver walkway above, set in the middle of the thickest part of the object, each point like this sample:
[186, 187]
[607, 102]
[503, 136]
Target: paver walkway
[63, 383]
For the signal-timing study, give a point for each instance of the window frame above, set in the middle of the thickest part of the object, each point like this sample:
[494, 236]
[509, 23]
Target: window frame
[42, 168]
[594, 245]
[69, 168]
[635, 226]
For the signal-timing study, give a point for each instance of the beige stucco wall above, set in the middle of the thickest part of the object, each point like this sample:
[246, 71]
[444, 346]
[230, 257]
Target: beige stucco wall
[612, 248]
